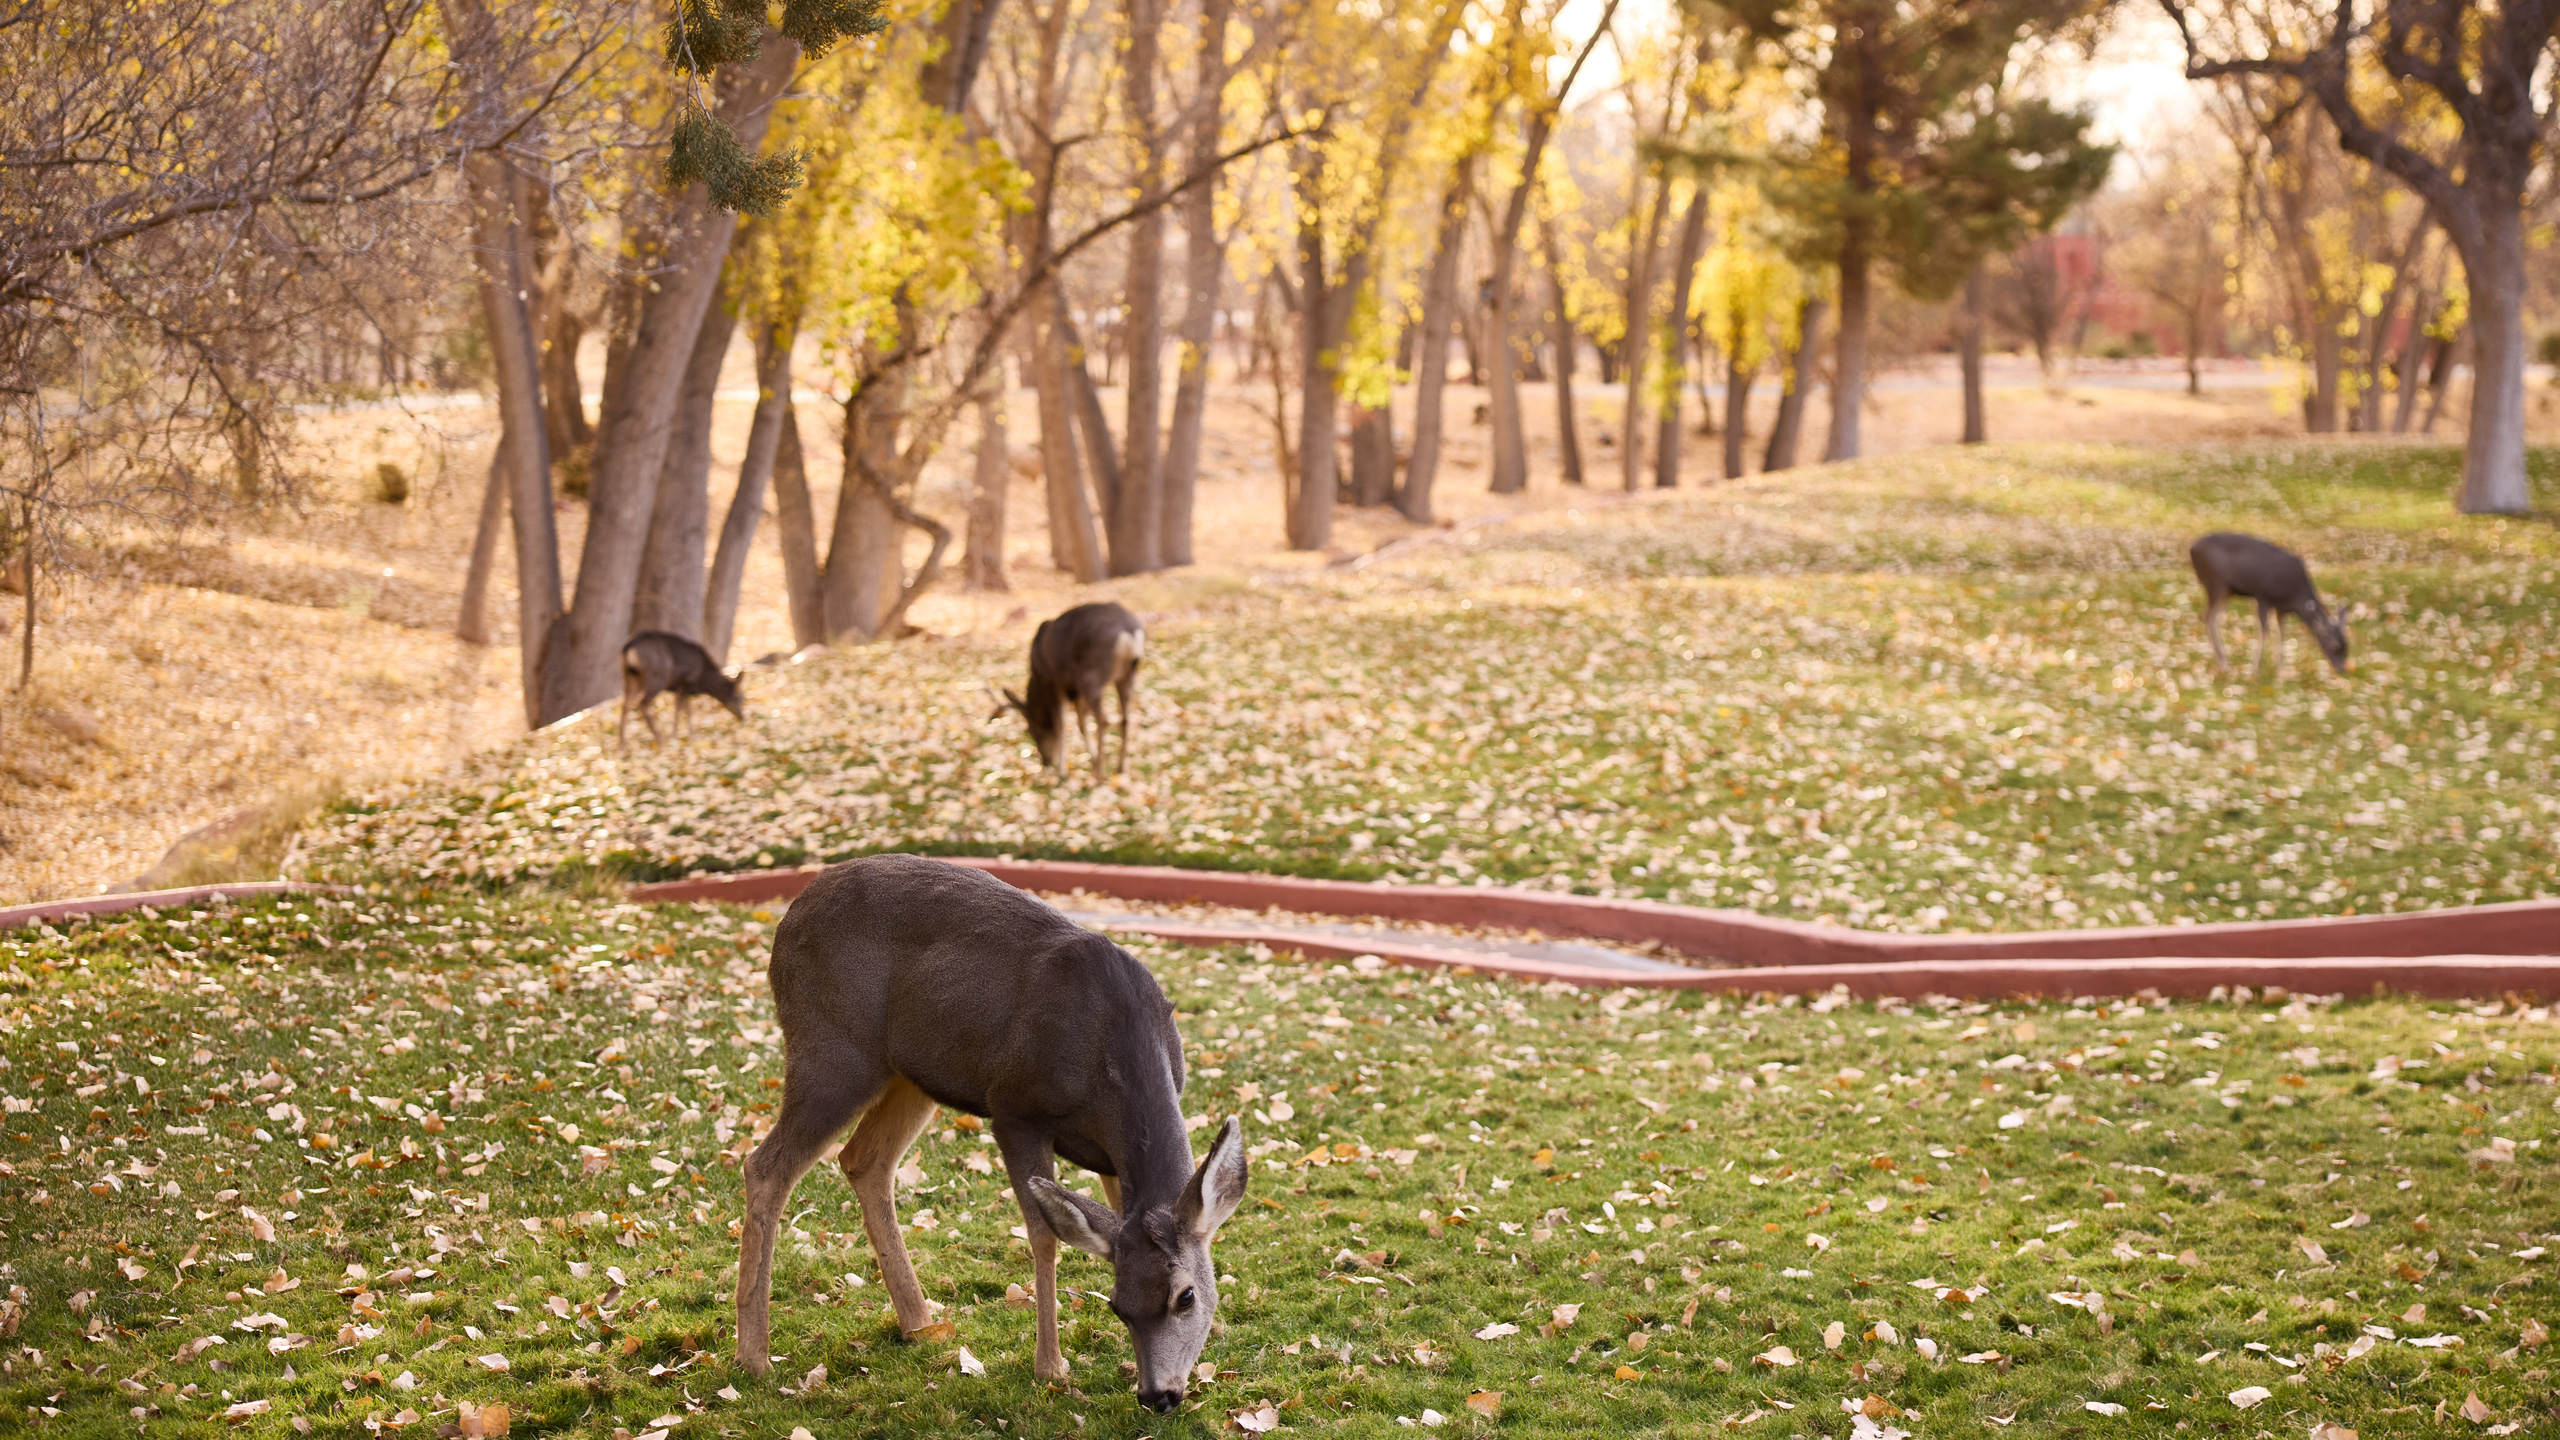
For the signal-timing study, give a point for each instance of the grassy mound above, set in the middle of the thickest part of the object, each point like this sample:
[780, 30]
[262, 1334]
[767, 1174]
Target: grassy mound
[325, 1165]
[1945, 691]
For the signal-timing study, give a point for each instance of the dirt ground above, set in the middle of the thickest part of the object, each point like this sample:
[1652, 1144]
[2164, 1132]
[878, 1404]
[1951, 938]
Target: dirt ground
[181, 681]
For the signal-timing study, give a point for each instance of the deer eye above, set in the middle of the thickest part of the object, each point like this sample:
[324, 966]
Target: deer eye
[1184, 1301]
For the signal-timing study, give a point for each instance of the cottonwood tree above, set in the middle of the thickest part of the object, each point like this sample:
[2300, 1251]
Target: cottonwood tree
[2484, 65]
[2181, 238]
[1925, 161]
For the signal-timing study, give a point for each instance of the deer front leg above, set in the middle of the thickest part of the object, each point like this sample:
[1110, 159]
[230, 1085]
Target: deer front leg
[870, 1159]
[1026, 1154]
[1089, 719]
[2260, 660]
[2213, 632]
[1127, 684]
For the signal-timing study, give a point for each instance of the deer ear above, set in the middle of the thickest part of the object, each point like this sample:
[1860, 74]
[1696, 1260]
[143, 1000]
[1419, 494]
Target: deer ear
[2346, 612]
[1086, 1224]
[1217, 1187]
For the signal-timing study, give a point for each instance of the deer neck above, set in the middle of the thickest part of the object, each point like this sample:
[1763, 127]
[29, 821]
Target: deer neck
[1154, 1150]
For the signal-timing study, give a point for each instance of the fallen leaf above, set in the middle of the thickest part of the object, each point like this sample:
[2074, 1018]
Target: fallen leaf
[1497, 1330]
[1258, 1418]
[1487, 1403]
[2331, 1430]
[1629, 1372]
[1776, 1355]
[246, 1408]
[1833, 1334]
[2311, 1248]
[2474, 1411]
[2103, 1407]
[2249, 1395]
[496, 1364]
[937, 1330]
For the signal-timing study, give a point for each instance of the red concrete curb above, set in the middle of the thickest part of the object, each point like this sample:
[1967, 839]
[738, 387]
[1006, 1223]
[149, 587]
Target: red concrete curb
[49, 910]
[2530, 927]
[2440, 977]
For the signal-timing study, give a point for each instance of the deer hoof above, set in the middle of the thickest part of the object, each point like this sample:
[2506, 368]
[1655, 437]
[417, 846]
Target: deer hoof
[1050, 1369]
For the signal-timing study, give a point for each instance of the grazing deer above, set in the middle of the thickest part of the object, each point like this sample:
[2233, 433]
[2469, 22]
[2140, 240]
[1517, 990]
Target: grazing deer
[655, 663]
[2244, 565]
[904, 983]
[1073, 658]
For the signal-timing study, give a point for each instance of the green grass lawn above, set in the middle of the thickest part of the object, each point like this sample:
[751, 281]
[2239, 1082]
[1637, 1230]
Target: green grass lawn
[1944, 691]
[377, 1145]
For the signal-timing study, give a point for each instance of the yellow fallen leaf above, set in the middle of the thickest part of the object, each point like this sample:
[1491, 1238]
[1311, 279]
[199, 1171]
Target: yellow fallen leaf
[1487, 1403]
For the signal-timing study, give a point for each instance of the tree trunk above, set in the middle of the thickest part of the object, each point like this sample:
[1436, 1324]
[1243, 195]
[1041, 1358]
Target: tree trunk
[472, 625]
[1737, 414]
[1568, 423]
[1310, 519]
[865, 554]
[2412, 362]
[1969, 356]
[581, 657]
[796, 526]
[2377, 359]
[504, 286]
[1204, 267]
[1849, 369]
[1636, 349]
[2493, 474]
[755, 477]
[1693, 239]
[1073, 546]
[2440, 376]
[2328, 365]
[672, 584]
[990, 480]
[1137, 514]
[1373, 454]
[1431, 349]
[1092, 423]
[1786, 430]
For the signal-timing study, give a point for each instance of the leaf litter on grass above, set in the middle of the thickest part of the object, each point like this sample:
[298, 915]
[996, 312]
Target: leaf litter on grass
[408, 1085]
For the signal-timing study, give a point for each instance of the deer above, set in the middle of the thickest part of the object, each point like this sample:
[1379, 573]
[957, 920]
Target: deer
[2229, 564]
[655, 663]
[904, 984]
[1074, 657]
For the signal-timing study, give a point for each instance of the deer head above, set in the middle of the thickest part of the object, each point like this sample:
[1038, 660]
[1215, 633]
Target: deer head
[2329, 631]
[1040, 712]
[1163, 1286]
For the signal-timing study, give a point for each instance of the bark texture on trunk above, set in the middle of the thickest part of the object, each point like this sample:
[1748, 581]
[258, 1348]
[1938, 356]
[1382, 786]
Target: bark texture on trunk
[2412, 362]
[471, 626]
[502, 262]
[1204, 274]
[1636, 349]
[1137, 516]
[1431, 347]
[673, 583]
[1310, 519]
[864, 554]
[755, 478]
[795, 522]
[1787, 430]
[1977, 428]
[1073, 545]
[2493, 473]
[1849, 366]
[1373, 455]
[990, 480]
[1567, 340]
[1737, 416]
[1693, 239]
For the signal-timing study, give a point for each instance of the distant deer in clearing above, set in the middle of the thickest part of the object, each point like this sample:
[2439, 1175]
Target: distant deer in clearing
[656, 663]
[1074, 658]
[2229, 564]
[904, 983]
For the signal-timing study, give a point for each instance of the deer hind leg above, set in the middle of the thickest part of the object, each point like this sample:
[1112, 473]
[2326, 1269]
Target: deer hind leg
[815, 1108]
[1027, 1154]
[2261, 659]
[1090, 707]
[870, 1160]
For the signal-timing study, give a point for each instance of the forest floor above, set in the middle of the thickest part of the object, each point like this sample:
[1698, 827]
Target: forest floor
[246, 670]
[1943, 691]
[241, 675]
[447, 1162]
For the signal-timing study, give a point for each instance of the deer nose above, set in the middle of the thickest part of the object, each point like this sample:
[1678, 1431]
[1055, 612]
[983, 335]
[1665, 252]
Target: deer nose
[1160, 1401]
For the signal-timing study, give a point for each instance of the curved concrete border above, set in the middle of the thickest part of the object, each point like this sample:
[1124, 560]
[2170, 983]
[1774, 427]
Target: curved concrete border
[2510, 950]
[2529, 927]
[50, 910]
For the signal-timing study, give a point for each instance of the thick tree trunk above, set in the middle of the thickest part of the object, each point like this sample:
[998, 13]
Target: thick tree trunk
[1693, 239]
[1788, 429]
[1204, 275]
[1568, 339]
[1093, 425]
[2449, 353]
[1977, 429]
[865, 554]
[796, 527]
[1431, 349]
[755, 477]
[1137, 516]
[2328, 366]
[1636, 349]
[1073, 545]
[1310, 519]
[2493, 474]
[2377, 359]
[1849, 368]
[472, 625]
[582, 655]
[1373, 454]
[672, 583]
[990, 480]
